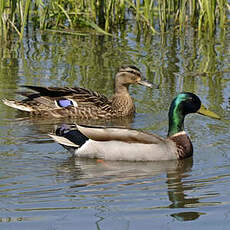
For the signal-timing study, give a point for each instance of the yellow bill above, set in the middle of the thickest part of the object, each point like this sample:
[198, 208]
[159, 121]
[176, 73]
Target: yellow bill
[207, 112]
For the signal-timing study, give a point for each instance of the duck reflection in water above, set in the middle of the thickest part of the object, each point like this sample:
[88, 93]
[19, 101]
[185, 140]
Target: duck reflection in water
[143, 177]
[177, 189]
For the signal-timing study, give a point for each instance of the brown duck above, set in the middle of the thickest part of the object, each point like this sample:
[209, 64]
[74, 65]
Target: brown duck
[80, 102]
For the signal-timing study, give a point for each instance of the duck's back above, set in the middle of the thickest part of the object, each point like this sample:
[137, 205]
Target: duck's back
[62, 102]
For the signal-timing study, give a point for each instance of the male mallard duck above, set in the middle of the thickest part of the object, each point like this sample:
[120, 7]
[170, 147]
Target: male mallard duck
[82, 103]
[133, 145]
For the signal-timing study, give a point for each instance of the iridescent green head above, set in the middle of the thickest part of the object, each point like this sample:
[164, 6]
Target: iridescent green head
[182, 105]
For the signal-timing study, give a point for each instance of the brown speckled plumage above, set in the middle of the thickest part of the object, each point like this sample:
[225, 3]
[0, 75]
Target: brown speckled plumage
[84, 103]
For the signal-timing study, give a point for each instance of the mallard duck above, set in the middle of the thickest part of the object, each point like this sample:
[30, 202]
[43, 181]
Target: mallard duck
[82, 103]
[133, 145]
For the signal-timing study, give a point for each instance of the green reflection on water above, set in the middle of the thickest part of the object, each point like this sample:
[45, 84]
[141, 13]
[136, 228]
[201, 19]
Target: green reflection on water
[177, 63]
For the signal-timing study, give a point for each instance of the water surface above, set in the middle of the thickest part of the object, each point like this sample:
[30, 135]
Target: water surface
[43, 187]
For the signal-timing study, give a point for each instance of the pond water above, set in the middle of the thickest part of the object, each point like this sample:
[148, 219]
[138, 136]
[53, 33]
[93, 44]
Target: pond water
[43, 187]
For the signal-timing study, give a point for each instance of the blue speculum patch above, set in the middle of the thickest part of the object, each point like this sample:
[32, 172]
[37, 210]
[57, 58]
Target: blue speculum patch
[64, 103]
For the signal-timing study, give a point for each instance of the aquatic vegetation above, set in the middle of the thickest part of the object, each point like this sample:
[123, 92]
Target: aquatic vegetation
[107, 16]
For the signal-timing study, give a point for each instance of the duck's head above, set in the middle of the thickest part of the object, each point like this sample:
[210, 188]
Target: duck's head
[130, 75]
[182, 105]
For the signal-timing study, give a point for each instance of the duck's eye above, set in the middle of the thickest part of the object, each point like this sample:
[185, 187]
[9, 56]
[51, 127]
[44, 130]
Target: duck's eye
[193, 99]
[132, 72]
[134, 78]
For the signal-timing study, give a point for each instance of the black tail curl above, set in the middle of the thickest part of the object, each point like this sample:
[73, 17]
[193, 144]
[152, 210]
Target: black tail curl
[73, 135]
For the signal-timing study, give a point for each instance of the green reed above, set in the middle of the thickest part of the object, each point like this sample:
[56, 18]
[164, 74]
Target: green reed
[107, 16]
[14, 16]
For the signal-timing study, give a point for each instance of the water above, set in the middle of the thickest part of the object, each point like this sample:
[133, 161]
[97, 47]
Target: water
[43, 187]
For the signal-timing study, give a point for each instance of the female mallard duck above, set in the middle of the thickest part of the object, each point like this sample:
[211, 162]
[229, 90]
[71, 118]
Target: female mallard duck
[133, 145]
[82, 103]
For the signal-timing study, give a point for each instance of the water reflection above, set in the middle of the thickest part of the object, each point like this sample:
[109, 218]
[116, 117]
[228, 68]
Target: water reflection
[44, 126]
[177, 190]
[187, 216]
[180, 64]
[130, 174]
[38, 186]
[124, 170]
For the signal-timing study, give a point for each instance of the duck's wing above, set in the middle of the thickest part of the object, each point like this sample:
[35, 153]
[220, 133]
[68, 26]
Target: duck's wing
[50, 91]
[57, 98]
[80, 95]
[119, 134]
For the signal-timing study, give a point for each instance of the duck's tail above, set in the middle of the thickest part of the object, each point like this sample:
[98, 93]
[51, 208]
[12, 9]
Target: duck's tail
[63, 141]
[69, 138]
[17, 105]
